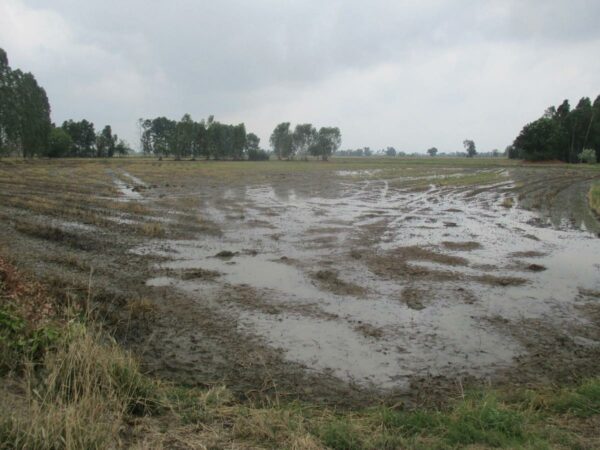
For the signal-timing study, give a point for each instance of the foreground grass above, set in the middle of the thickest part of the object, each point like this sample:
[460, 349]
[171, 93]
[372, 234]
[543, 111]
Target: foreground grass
[66, 384]
[594, 198]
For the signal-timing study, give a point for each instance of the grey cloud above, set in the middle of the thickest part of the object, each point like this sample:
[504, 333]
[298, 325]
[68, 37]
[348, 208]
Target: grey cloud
[399, 62]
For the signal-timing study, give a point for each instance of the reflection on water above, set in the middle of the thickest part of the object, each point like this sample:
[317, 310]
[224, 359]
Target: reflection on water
[280, 236]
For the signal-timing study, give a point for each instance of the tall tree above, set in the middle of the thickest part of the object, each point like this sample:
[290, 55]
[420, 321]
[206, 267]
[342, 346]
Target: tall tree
[24, 112]
[238, 141]
[281, 141]
[34, 116]
[327, 142]
[60, 143]
[106, 143]
[83, 136]
[252, 142]
[561, 133]
[183, 138]
[470, 148]
[432, 151]
[305, 136]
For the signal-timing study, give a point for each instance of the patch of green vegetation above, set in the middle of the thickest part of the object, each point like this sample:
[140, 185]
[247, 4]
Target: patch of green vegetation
[474, 179]
[340, 434]
[20, 342]
[484, 420]
[583, 401]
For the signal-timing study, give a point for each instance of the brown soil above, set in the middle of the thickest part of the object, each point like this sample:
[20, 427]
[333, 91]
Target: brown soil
[463, 246]
[330, 280]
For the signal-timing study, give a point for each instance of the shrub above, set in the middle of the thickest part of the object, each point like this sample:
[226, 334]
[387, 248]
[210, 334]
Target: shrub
[257, 155]
[588, 156]
[19, 342]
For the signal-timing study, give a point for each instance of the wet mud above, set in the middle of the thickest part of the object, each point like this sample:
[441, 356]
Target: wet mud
[360, 282]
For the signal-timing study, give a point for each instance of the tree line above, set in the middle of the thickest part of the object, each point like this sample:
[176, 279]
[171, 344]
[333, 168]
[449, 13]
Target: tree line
[211, 139]
[80, 140]
[204, 139]
[304, 140]
[562, 133]
[26, 129]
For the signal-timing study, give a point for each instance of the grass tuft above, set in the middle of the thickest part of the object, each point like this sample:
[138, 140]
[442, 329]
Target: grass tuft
[339, 434]
[484, 420]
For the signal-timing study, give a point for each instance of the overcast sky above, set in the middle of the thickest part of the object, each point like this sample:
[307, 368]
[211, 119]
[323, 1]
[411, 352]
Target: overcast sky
[409, 74]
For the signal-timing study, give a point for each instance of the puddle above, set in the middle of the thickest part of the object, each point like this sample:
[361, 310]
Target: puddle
[133, 178]
[128, 191]
[281, 236]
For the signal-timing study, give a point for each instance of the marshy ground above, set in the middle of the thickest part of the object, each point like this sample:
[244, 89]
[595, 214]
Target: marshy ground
[347, 282]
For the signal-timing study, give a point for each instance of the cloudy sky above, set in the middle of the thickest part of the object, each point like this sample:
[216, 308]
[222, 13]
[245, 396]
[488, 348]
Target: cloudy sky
[410, 74]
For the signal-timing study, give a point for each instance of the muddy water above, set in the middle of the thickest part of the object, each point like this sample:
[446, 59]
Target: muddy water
[127, 189]
[377, 334]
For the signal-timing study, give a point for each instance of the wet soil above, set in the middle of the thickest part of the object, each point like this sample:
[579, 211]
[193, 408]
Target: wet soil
[351, 287]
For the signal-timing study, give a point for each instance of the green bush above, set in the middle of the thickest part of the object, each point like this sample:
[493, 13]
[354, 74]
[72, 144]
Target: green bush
[257, 155]
[19, 342]
[588, 156]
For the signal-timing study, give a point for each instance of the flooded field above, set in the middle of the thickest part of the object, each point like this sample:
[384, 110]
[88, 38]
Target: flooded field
[325, 279]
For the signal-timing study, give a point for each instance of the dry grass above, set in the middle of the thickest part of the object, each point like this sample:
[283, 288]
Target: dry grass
[142, 309]
[78, 399]
[594, 198]
[507, 202]
[152, 229]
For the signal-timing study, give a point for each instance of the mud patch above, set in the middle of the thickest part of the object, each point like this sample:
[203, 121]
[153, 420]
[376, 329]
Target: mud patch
[329, 280]
[198, 274]
[462, 246]
[413, 298]
[528, 254]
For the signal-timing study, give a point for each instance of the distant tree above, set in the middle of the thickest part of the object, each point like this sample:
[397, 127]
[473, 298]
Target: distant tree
[6, 98]
[122, 148]
[105, 143]
[83, 136]
[257, 154]
[59, 143]
[495, 153]
[281, 140]
[327, 142]
[182, 140]
[204, 136]
[238, 141]
[367, 151]
[537, 141]
[252, 142]
[470, 148]
[390, 151]
[561, 133]
[200, 141]
[162, 136]
[432, 151]
[305, 136]
[34, 115]
[24, 112]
